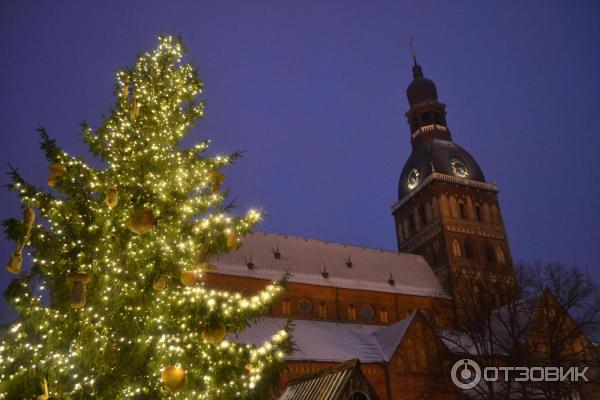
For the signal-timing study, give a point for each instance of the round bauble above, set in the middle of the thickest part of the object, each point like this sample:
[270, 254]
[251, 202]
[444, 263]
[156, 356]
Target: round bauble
[216, 179]
[188, 278]
[111, 197]
[173, 377]
[160, 283]
[215, 334]
[57, 169]
[141, 221]
[53, 180]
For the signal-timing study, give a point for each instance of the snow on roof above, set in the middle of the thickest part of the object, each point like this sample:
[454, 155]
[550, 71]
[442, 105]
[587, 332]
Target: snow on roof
[331, 341]
[346, 266]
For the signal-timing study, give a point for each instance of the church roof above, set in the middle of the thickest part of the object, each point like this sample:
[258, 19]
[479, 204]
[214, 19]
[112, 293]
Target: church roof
[270, 256]
[332, 341]
[333, 383]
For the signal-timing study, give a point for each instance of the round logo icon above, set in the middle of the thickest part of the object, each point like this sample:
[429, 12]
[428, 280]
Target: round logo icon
[465, 374]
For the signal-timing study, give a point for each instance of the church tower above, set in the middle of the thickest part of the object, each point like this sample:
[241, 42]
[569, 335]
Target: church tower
[446, 211]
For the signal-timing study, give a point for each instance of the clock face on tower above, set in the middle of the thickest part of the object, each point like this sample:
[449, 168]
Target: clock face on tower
[459, 168]
[413, 179]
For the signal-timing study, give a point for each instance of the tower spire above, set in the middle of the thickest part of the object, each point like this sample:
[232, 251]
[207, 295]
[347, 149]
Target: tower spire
[417, 71]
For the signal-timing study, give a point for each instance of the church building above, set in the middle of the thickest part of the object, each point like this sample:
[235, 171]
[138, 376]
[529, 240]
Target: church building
[366, 320]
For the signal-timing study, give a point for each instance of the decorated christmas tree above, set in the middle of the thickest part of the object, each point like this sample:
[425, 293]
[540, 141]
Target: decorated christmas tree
[110, 260]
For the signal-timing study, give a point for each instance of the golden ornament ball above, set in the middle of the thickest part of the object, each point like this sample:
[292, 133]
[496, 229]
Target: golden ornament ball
[216, 179]
[57, 169]
[111, 197]
[173, 377]
[214, 335]
[141, 221]
[232, 241]
[52, 180]
[188, 278]
[160, 283]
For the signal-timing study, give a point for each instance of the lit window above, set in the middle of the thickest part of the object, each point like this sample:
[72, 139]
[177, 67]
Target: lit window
[322, 310]
[500, 255]
[383, 316]
[352, 313]
[286, 307]
[456, 249]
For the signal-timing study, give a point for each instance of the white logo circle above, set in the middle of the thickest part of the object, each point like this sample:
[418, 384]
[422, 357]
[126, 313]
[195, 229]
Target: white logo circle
[469, 375]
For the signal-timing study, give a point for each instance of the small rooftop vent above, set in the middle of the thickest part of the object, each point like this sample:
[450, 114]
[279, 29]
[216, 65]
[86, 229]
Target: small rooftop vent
[324, 272]
[249, 263]
[277, 253]
[391, 280]
[349, 262]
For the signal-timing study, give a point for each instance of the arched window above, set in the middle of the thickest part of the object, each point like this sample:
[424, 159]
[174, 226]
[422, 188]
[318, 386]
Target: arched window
[286, 307]
[322, 310]
[469, 252]
[352, 313]
[437, 119]
[400, 232]
[456, 249]
[358, 396]
[428, 212]
[462, 211]
[412, 227]
[489, 255]
[478, 214]
[383, 315]
[453, 207]
[425, 118]
[422, 216]
[500, 255]
[406, 229]
[444, 208]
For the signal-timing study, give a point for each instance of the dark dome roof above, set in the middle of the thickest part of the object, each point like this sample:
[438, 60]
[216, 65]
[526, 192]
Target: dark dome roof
[437, 153]
[420, 89]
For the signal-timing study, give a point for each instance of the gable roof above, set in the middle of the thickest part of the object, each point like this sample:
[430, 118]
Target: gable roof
[306, 259]
[331, 341]
[328, 384]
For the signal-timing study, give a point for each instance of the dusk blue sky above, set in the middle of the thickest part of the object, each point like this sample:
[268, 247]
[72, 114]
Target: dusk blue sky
[314, 92]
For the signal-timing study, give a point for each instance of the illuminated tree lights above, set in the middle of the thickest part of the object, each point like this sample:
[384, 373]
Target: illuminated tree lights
[114, 305]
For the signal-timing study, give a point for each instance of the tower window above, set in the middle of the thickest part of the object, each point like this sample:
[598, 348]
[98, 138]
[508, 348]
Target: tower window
[422, 215]
[478, 213]
[352, 313]
[462, 211]
[456, 249]
[425, 118]
[469, 253]
[437, 119]
[489, 255]
[500, 255]
[322, 310]
[412, 228]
